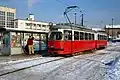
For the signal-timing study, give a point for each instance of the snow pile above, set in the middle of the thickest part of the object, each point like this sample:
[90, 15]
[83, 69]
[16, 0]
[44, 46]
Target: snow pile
[113, 69]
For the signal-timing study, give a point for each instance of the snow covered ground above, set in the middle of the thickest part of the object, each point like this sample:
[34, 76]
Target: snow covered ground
[101, 65]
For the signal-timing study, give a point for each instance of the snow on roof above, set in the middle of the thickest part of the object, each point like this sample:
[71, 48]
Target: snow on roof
[98, 29]
[112, 26]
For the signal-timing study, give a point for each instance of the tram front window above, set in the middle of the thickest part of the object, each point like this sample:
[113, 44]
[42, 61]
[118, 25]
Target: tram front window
[56, 36]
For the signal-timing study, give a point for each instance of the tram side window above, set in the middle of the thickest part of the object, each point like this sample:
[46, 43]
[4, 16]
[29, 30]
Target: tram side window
[86, 36]
[98, 37]
[102, 37]
[105, 37]
[81, 36]
[90, 36]
[76, 35]
[67, 35]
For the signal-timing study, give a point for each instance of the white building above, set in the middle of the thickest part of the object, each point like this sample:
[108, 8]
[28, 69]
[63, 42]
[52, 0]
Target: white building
[30, 23]
[7, 16]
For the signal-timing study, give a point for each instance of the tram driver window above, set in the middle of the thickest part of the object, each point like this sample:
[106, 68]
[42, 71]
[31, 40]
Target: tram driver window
[56, 36]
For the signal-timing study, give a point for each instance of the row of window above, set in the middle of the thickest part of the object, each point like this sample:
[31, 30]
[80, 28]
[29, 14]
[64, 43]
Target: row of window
[102, 37]
[2, 17]
[8, 18]
[2, 22]
[10, 14]
[10, 23]
[29, 24]
[78, 36]
[2, 12]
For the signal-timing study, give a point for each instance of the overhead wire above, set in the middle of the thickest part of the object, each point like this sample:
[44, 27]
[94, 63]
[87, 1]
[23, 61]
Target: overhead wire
[62, 2]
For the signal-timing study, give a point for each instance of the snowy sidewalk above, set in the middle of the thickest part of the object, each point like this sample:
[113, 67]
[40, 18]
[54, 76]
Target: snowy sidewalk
[17, 58]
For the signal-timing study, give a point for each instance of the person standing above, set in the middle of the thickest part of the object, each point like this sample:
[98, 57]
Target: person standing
[30, 44]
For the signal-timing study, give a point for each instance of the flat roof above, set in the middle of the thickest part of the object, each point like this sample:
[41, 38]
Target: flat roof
[112, 26]
[22, 30]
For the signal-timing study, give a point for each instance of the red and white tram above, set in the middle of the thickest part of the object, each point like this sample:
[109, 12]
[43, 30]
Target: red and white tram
[61, 42]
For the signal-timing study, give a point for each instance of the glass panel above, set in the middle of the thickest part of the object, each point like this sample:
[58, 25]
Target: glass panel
[67, 35]
[1, 40]
[86, 36]
[81, 36]
[15, 39]
[90, 36]
[36, 42]
[56, 36]
[76, 35]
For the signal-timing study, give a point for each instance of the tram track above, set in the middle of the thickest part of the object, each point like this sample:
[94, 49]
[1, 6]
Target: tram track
[13, 71]
[9, 72]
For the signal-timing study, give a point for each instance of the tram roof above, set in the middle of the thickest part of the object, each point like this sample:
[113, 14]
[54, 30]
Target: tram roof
[22, 30]
[74, 27]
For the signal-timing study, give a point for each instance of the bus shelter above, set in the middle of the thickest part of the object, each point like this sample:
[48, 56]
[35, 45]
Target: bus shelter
[14, 40]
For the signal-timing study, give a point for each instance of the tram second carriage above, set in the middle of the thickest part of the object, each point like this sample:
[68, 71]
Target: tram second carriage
[61, 42]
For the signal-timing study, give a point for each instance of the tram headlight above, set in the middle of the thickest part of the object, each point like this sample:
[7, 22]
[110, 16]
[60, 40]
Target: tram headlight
[51, 46]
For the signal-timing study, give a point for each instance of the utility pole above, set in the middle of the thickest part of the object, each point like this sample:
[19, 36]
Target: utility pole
[112, 27]
[75, 17]
[108, 33]
[82, 22]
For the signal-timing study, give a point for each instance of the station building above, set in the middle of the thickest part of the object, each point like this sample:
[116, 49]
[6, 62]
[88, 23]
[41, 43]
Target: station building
[14, 33]
[31, 24]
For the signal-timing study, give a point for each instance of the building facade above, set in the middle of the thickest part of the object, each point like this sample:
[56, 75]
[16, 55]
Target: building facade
[30, 23]
[113, 31]
[7, 16]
